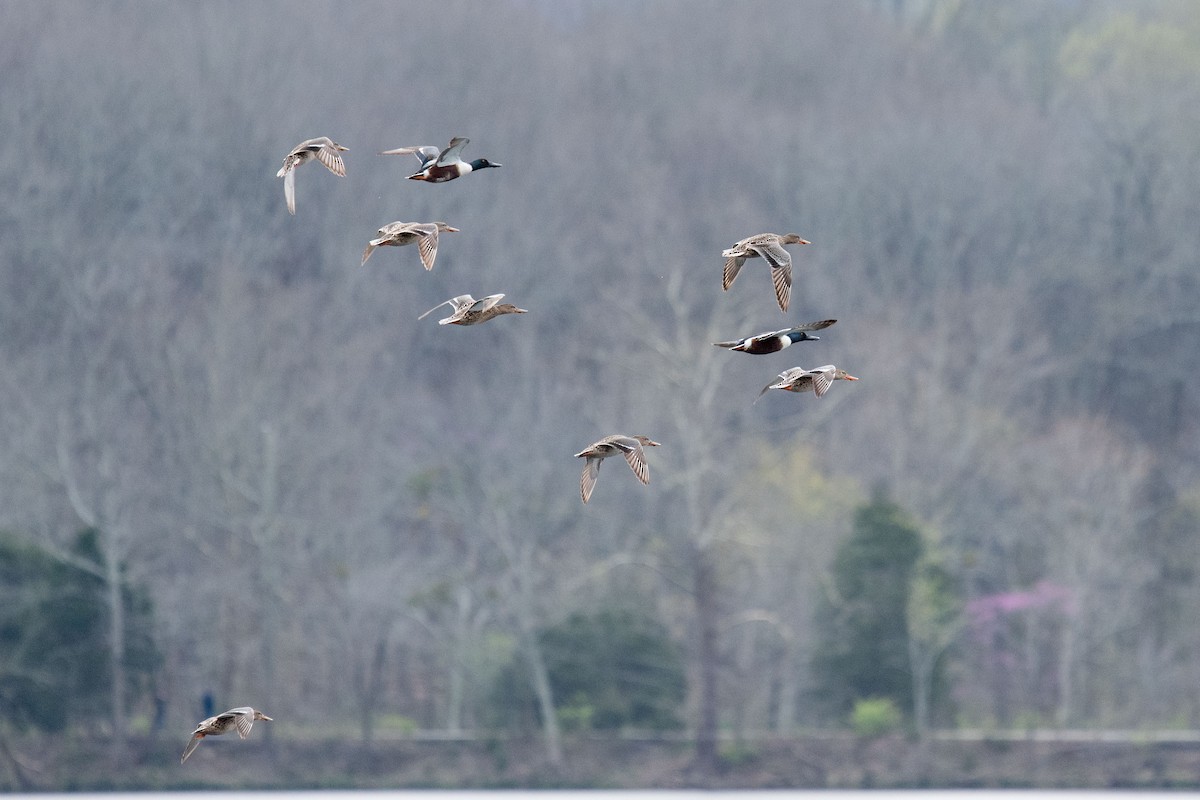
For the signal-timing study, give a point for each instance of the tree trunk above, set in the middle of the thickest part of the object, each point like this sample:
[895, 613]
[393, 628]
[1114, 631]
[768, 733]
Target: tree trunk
[921, 661]
[116, 647]
[370, 686]
[545, 698]
[519, 555]
[457, 688]
[265, 531]
[16, 771]
[109, 571]
[1066, 674]
[705, 599]
[785, 707]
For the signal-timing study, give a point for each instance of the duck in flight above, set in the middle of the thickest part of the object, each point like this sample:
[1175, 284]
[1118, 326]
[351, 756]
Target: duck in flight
[323, 149]
[798, 379]
[398, 234]
[775, 341]
[619, 443]
[469, 311]
[240, 719]
[770, 247]
[439, 167]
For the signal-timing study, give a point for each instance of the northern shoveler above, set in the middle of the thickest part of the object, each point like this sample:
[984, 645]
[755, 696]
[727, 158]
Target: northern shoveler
[323, 149]
[397, 234]
[469, 311]
[775, 341]
[628, 446]
[240, 719]
[799, 379]
[770, 247]
[444, 166]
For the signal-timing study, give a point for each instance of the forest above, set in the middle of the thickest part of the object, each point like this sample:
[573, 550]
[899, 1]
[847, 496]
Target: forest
[237, 469]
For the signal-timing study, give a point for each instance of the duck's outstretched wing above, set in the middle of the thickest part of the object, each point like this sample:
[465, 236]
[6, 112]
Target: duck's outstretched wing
[244, 722]
[487, 302]
[191, 747]
[637, 460]
[457, 303]
[453, 151]
[428, 243]
[774, 253]
[289, 189]
[822, 378]
[733, 266]
[810, 326]
[781, 268]
[782, 278]
[587, 479]
[424, 153]
[328, 155]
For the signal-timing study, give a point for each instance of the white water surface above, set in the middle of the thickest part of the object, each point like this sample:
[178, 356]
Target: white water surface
[635, 794]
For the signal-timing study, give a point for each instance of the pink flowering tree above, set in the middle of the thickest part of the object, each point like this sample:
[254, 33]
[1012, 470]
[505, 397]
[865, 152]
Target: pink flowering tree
[1017, 638]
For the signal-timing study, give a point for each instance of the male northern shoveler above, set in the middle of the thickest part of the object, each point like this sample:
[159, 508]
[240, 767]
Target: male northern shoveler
[323, 149]
[777, 340]
[799, 379]
[444, 166]
[770, 247]
[628, 446]
[397, 234]
[469, 311]
[240, 719]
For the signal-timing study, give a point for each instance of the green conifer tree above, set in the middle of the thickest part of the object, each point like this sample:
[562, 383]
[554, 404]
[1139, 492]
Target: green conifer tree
[862, 633]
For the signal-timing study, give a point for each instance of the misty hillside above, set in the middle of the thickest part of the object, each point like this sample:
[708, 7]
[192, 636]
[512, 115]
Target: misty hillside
[327, 508]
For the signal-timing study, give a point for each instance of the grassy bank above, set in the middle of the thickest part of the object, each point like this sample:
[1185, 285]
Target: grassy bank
[810, 761]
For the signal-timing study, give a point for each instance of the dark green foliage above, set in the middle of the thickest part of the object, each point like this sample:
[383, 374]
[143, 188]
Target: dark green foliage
[608, 670]
[54, 664]
[862, 649]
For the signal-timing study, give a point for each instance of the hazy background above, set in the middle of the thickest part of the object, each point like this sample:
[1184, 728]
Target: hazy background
[317, 505]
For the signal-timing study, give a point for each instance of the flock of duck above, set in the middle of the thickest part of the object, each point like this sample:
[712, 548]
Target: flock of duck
[440, 165]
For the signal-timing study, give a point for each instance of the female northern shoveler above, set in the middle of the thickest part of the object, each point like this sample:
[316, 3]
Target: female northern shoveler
[441, 167]
[240, 719]
[799, 379]
[628, 446]
[323, 149]
[469, 311]
[777, 340]
[770, 247]
[397, 234]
